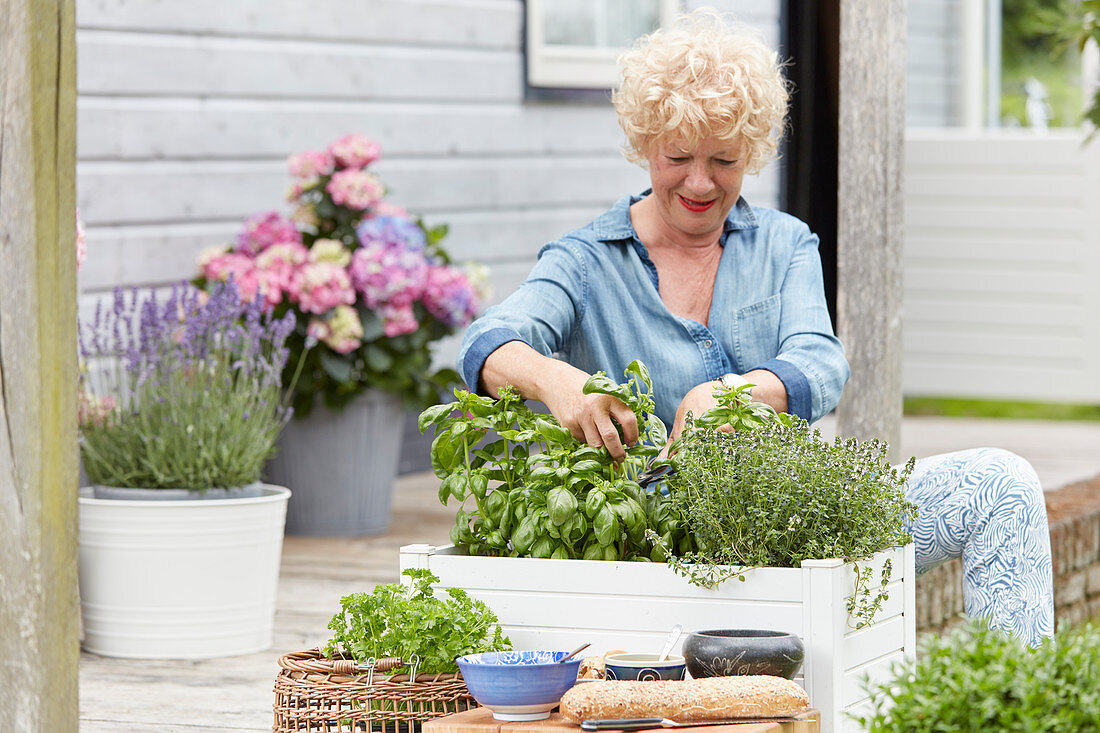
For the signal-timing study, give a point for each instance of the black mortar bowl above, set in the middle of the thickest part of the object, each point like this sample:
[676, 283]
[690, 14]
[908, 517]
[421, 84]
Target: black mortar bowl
[726, 652]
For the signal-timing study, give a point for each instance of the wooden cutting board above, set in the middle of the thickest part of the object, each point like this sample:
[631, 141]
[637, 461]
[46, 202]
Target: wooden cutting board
[481, 720]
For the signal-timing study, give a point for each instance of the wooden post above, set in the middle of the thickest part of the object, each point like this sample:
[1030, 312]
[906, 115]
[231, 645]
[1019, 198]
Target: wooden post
[39, 649]
[869, 209]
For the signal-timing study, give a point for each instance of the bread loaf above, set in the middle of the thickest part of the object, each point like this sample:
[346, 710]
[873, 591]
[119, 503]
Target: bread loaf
[713, 698]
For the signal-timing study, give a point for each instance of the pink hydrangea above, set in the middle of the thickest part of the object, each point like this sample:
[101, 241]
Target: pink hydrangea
[81, 245]
[311, 164]
[449, 296]
[236, 265]
[318, 287]
[264, 230]
[317, 330]
[92, 410]
[388, 274]
[398, 320]
[277, 265]
[385, 208]
[354, 151]
[355, 189]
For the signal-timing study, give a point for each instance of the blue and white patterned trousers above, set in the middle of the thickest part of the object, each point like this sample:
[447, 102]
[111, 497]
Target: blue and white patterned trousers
[986, 505]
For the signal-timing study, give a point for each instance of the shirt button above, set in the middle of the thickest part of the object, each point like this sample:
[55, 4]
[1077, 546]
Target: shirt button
[708, 343]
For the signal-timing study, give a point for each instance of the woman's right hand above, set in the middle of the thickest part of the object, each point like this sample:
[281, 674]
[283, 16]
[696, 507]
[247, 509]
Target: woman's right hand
[589, 418]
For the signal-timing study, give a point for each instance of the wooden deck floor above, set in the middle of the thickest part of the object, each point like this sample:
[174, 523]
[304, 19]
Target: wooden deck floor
[235, 694]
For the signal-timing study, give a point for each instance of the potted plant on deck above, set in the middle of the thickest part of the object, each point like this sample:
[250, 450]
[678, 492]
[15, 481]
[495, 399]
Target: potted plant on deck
[570, 548]
[180, 406]
[372, 290]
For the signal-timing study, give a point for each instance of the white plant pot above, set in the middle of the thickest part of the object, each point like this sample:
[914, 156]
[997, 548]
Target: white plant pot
[559, 604]
[180, 579]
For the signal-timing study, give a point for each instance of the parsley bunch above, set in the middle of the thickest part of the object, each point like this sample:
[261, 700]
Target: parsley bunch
[396, 620]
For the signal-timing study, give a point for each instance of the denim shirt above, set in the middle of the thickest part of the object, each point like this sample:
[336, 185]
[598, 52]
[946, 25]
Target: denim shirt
[593, 300]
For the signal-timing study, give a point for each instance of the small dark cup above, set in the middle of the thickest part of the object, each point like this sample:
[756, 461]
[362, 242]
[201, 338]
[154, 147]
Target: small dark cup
[643, 667]
[727, 652]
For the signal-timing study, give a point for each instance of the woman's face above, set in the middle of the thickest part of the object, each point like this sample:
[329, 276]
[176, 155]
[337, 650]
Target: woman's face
[695, 188]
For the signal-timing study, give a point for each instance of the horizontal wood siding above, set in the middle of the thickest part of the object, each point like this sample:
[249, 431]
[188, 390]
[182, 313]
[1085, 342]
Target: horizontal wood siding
[1002, 261]
[187, 112]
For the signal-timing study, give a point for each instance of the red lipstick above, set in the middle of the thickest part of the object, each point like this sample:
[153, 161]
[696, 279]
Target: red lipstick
[696, 206]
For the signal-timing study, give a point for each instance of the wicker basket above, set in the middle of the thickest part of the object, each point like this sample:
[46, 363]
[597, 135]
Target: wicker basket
[313, 693]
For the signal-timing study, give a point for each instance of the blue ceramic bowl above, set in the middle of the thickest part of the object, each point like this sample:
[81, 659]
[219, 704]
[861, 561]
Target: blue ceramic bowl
[643, 667]
[518, 685]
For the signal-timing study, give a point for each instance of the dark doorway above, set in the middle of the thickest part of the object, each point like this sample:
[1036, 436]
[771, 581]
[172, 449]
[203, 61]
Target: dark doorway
[810, 38]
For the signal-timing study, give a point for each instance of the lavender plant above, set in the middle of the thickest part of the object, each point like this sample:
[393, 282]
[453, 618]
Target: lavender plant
[183, 391]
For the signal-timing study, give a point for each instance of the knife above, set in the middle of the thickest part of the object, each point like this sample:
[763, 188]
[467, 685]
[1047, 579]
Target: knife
[643, 723]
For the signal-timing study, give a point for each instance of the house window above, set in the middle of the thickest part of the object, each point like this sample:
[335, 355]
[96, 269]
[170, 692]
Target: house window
[572, 44]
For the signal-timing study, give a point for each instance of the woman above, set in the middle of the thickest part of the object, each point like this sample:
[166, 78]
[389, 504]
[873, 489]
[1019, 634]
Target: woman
[702, 287]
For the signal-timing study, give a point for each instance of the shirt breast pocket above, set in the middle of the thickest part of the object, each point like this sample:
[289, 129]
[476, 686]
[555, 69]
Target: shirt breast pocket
[757, 338]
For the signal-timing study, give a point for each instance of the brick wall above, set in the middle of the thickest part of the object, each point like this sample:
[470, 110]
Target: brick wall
[1074, 515]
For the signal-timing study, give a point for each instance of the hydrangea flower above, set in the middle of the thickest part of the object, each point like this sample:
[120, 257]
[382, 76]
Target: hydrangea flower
[388, 274]
[342, 332]
[392, 231]
[329, 250]
[236, 266]
[264, 230]
[385, 208]
[277, 265]
[355, 189]
[81, 245]
[354, 151]
[398, 320]
[345, 249]
[320, 286]
[311, 164]
[449, 296]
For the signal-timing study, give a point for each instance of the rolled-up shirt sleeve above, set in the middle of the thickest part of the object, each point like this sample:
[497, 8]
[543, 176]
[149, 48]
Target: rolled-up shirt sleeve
[543, 312]
[811, 361]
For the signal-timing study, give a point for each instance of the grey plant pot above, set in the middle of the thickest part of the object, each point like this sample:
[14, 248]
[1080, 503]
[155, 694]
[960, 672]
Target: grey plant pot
[341, 467]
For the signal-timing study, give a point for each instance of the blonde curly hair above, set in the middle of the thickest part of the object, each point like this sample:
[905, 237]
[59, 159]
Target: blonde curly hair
[704, 75]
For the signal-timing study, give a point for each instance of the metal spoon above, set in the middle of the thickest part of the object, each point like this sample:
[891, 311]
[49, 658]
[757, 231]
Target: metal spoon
[578, 650]
[670, 641]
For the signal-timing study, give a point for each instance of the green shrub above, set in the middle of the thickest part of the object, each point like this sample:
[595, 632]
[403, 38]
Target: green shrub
[980, 679]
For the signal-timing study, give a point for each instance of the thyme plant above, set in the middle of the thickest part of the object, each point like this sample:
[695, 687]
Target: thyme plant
[775, 493]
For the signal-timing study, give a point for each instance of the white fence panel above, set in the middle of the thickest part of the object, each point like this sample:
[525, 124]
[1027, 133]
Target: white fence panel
[1002, 265]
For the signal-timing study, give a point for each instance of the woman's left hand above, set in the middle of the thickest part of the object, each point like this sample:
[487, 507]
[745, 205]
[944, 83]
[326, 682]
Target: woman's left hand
[697, 401]
[767, 388]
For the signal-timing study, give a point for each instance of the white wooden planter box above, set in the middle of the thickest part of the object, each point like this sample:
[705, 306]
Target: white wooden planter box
[559, 604]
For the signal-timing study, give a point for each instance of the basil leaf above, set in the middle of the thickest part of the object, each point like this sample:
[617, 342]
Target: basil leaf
[606, 525]
[434, 415]
[599, 383]
[524, 535]
[561, 504]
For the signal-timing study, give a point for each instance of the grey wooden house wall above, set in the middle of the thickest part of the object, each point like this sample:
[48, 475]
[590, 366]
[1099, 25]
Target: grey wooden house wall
[187, 111]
